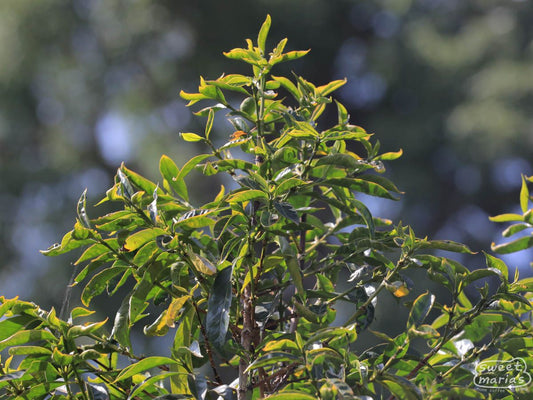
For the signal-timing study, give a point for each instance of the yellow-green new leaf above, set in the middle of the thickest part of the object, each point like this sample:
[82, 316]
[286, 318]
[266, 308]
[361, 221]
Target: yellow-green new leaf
[191, 137]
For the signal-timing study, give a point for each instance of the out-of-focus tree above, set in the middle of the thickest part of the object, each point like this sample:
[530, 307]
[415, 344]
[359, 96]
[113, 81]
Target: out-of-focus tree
[86, 84]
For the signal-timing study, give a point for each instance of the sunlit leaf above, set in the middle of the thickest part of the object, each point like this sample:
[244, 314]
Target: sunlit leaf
[138, 239]
[513, 246]
[143, 365]
[263, 33]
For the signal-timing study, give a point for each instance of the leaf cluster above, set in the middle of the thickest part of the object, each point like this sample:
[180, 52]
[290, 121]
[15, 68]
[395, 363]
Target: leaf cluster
[249, 284]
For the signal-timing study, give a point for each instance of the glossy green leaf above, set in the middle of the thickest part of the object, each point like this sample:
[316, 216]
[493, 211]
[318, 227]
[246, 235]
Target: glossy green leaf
[287, 85]
[330, 87]
[27, 336]
[29, 350]
[99, 282]
[93, 251]
[143, 365]
[497, 264]
[191, 137]
[420, 309]
[524, 195]
[514, 229]
[400, 387]
[82, 210]
[209, 124]
[39, 390]
[507, 218]
[272, 358]
[247, 195]
[170, 172]
[218, 308]
[446, 245]
[522, 243]
[67, 244]
[138, 239]
[523, 285]
[84, 330]
[296, 275]
[148, 383]
[291, 55]
[263, 33]
[190, 165]
[10, 326]
[182, 339]
[479, 274]
[287, 210]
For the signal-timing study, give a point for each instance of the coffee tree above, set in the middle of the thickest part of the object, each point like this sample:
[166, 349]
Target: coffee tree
[249, 283]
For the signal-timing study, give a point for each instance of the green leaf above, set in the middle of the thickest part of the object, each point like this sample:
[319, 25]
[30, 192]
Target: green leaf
[288, 85]
[320, 355]
[150, 382]
[99, 282]
[218, 308]
[331, 333]
[68, 243]
[507, 218]
[523, 285]
[138, 239]
[330, 87]
[287, 211]
[191, 137]
[37, 391]
[339, 160]
[420, 309]
[263, 33]
[291, 395]
[272, 358]
[246, 195]
[79, 312]
[204, 112]
[144, 365]
[446, 245]
[121, 327]
[291, 55]
[296, 275]
[497, 264]
[84, 330]
[514, 229]
[170, 172]
[209, 124]
[479, 274]
[182, 339]
[400, 387]
[82, 210]
[93, 251]
[389, 156]
[524, 195]
[192, 97]
[365, 213]
[14, 324]
[189, 165]
[29, 350]
[516, 245]
[26, 336]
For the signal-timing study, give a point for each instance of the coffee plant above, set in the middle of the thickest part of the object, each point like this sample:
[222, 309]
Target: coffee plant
[249, 284]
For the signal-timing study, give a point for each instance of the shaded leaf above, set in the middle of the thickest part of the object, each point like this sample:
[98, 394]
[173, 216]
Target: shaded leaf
[218, 308]
[420, 309]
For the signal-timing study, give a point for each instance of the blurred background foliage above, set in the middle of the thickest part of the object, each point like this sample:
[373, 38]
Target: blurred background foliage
[86, 84]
